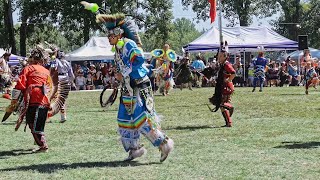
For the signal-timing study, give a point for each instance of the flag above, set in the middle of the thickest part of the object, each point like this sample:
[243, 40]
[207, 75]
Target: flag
[213, 10]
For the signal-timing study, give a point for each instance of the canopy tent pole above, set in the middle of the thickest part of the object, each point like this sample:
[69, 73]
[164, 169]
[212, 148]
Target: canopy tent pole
[244, 65]
[220, 24]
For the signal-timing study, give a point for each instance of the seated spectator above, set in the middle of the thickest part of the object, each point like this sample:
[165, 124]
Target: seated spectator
[273, 74]
[294, 77]
[89, 82]
[98, 82]
[238, 80]
[283, 74]
[80, 81]
[250, 75]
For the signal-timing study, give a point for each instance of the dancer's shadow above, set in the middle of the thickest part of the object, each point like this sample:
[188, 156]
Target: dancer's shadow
[16, 152]
[191, 128]
[51, 168]
[8, 123]
[292, 94]
[299, 145]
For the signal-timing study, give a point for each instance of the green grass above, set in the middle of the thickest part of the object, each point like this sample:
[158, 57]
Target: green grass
[275, 136]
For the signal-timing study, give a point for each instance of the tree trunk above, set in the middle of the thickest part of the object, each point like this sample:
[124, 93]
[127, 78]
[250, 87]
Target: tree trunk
[9, 25]
[23, 35]
[86, 29]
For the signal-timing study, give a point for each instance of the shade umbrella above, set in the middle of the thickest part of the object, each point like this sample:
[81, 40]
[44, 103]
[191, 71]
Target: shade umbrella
[315, 53]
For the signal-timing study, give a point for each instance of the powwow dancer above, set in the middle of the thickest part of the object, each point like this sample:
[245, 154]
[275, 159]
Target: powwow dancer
[224, 88]
[166, 57]
[184, 74]
[20, 104]
[311, 76]
[63, 76]
[136, 113]
[5, 74]
[259, 74]
[33, 85]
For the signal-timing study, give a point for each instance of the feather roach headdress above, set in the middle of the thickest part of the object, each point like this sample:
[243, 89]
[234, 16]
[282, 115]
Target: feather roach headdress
[115, 23]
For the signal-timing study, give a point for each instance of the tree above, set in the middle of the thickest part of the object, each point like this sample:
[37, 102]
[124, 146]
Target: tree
[310, 22]
[8, 24]
[235, 10]
[34, 14]
[3, 41]
[183, 33]
[299, 18]
[76, 23]
[158, 21]
[290, 15]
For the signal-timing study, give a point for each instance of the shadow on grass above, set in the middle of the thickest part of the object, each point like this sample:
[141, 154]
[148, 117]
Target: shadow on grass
[291, 94]
[191, 128]
[51, 168]
[191, 105]
[95, 111]
[16, 152]
[8, 123]
[299, 145]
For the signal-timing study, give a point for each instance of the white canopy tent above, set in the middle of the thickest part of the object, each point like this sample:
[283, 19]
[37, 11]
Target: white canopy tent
[242, 39]
[97, 48]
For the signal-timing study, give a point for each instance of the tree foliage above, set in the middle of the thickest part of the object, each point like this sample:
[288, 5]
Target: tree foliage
[305, 19]
[236, 11]
[183, 33]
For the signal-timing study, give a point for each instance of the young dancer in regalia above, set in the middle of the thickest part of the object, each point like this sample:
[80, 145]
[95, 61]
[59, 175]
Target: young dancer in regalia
[224, 87]
[136, 114]
[166, 58]
[184, 74]
[311, 76]
[32, 84]
[63, 76]
[260, 75]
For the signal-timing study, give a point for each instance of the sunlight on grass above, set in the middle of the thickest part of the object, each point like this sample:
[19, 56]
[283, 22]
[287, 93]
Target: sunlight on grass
[275, 136]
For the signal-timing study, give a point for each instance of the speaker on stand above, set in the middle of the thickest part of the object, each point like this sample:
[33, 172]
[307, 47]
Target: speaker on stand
[303, 42]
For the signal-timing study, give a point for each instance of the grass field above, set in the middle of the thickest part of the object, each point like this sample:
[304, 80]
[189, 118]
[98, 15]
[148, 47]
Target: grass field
[276, 135]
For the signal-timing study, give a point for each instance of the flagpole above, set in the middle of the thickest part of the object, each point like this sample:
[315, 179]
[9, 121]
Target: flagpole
[220, 23]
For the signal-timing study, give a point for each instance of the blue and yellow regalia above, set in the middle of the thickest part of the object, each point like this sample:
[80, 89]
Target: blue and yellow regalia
[136, 113]
[166, 58]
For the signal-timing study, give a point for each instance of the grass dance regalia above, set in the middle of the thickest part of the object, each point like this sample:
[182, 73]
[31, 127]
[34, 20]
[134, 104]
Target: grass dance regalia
[33, 85]
[136, 114]
[224, 87]
[311, 76]
[184, 73]
[62, 76]
[20, 104]
[259, 73]
[166, 58]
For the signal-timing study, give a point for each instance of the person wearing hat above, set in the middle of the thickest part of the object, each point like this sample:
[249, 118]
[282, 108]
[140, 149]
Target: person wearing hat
[136, 114]
[61, 91]
[224, 87]
[32, 84]
[259, 73]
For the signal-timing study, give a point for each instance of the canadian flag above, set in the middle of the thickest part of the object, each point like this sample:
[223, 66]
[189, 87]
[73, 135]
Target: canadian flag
[213, 10]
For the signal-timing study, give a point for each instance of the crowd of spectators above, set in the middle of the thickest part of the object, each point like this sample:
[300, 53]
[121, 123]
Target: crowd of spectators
[94, 75]
[98, 75]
